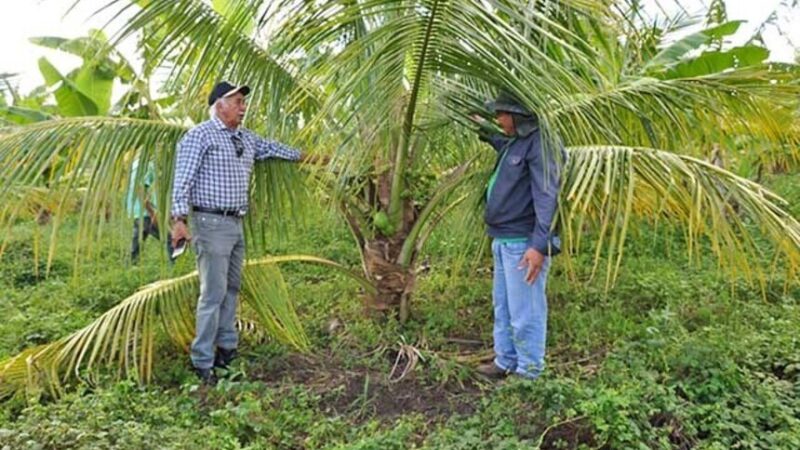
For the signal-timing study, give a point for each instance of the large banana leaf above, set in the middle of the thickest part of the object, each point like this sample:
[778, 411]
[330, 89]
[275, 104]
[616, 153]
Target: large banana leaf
[673, 53]
[72, 102]
[23, 116]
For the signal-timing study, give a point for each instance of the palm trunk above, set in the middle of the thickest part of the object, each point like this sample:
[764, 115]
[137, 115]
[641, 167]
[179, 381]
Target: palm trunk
[394, 282]
[381, 251]
[389, 254]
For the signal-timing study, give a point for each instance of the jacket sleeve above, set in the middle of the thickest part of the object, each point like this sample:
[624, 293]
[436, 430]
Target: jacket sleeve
[545, 173]
[490, 135]
[497, 141]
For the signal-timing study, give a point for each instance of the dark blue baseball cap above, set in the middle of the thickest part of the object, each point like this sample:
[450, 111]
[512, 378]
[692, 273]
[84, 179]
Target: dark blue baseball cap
[225, 89]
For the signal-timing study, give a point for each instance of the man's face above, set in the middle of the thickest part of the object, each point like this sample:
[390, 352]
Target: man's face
[231, 110]
[506, 122]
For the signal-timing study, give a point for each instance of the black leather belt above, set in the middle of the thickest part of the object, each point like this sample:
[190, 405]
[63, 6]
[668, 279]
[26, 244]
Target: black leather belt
[219, 212]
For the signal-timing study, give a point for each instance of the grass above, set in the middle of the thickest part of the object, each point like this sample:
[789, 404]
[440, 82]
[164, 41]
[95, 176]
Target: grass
[674, 356]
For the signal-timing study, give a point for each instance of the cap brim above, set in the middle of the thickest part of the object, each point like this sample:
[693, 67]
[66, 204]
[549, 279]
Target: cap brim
[497, 107]
[244, 90]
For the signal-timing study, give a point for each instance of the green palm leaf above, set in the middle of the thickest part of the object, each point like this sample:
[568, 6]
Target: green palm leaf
[608, 186]
[91, 156]
[123, 338]
[89, 159]
[35, 204]
[612, 189]
[203, 46]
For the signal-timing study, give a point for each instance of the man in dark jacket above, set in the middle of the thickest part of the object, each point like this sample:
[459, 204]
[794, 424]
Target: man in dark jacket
[521, 202]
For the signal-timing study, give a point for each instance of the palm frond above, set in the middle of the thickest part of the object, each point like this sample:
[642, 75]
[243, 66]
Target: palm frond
[674, 113]
[609, 190]
[89, 161]
[123, 339]
[382, 77]
[279, 201]
[203, 46]
[606, 187]
[91, 156]
[605, 97]
[36, 204]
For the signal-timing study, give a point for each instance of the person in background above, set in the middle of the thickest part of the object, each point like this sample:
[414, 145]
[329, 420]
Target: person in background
[140, 205]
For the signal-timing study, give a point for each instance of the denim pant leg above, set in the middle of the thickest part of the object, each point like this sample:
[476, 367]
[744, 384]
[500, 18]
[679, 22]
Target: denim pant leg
[505, 355]
[214, 240]
[527, 306]
[228, 336]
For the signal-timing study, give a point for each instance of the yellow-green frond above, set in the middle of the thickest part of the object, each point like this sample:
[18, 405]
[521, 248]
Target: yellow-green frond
[123, 338]
[605, 187]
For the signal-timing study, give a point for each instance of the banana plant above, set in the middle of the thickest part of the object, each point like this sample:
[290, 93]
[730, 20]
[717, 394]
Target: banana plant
[87, 90]
[22, 109]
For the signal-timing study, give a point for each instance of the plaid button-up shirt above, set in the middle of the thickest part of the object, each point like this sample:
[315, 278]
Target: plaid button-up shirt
[208, 172]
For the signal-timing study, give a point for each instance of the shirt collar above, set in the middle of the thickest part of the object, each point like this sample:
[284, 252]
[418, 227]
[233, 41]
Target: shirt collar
[220, 125]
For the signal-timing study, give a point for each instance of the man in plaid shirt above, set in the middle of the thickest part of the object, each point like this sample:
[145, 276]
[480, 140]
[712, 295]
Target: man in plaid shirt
[212, 175]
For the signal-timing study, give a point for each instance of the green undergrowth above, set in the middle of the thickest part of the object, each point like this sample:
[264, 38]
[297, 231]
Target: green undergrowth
[675, 355]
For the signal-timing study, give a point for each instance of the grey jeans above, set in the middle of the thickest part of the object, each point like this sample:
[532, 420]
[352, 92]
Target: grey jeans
[219, 245]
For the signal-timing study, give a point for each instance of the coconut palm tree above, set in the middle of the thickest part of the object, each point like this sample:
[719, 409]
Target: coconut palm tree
[385, 88]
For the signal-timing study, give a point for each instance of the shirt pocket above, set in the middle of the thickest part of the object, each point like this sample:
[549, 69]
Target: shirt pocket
[215, 153]
[515, 161]
[515, 166]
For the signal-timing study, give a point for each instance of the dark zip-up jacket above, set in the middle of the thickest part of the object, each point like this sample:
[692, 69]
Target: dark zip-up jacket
[524, 198]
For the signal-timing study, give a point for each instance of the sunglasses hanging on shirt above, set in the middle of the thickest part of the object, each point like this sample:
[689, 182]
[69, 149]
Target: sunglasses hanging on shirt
[238, 144]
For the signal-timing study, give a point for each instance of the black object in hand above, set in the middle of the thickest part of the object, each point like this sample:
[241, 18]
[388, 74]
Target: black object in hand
[179, 249]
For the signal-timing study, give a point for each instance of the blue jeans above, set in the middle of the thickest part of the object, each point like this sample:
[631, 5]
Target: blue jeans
[520, 312]
[219, 244]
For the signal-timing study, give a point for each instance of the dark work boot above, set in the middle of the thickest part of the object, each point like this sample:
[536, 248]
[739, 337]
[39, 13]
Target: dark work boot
[492, 371]
[206, 376]
[224, 357]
